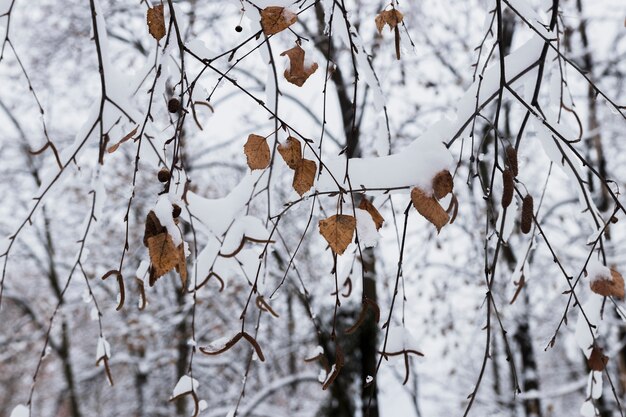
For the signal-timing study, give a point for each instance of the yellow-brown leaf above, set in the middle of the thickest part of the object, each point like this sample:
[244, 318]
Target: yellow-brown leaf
[609, 287]
[257, 152]
[338, 231]
[597, 360]
[291, 151]
[275, 19]
[156, 22]
[304, 177]
[430, 208]
[367, 205]
[389, 17]
[442, 184]
[164, 256]
[297, 73]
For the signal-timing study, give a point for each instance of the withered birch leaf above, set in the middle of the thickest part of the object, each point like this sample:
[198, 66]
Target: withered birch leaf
[298, 73]
[275, 19]
[153, 227]
[430, 208]
[156, 22]
[291, 151]
[442, 184]
[257, 152]
[597, 360]
[114, 147]
[338, 231]
[390, 17]
[304, 177]
[164, 256]
[367, 205]
[181, 266]
[609, 287]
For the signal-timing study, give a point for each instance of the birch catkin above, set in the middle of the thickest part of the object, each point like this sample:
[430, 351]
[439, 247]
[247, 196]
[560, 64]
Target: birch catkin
[509, 185]
[527, 213]
[511, 160]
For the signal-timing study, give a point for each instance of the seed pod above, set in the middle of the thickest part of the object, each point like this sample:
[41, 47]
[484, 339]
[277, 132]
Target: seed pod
[173, 105]
[176, 210]
[527, 213]
[164, 175]
[238, 28]
[509, 185]
[511, 160]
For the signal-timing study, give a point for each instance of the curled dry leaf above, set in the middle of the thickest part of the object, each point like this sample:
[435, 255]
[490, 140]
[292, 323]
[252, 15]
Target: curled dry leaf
[597, 360]
[291, 151]
[429, 207]
[338, 231]
[114, 147]
[367, 205]
[257, 152]
[275, 19]
[609, 286]
[156, 22]
[298, 73]
[304, 177]
[388, 17]
[442, 184]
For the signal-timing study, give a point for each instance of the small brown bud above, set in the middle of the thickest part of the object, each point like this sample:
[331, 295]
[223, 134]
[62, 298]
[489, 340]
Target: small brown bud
[527, 213]
[173, 105]
[176, 210]
[511, 160]
[164, 175]
[509, 186]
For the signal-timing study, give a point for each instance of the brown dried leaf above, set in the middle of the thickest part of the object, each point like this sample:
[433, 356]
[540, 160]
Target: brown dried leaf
[597, 360]
[156, 22]
[114, 147]
[390, 17]
[442, 184]
[609, 287]
[257, 152]
[297, 73]
[367, 205]
[164, 256]
[430, 208]
[291, 151]
[275, 19]
[304, 177]
[153, 227]
[338, 231]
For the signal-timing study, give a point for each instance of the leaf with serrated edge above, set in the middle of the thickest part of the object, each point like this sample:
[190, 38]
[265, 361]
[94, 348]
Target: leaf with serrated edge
[430, 208]
[338, 231]
[257, 152]
[291, 151]
[304, 177]
[156, 22]
[275, 19]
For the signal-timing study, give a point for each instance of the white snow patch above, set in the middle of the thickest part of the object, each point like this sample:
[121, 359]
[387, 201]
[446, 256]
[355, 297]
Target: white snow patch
[366, 229]
[20, 411]
[185, 385]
